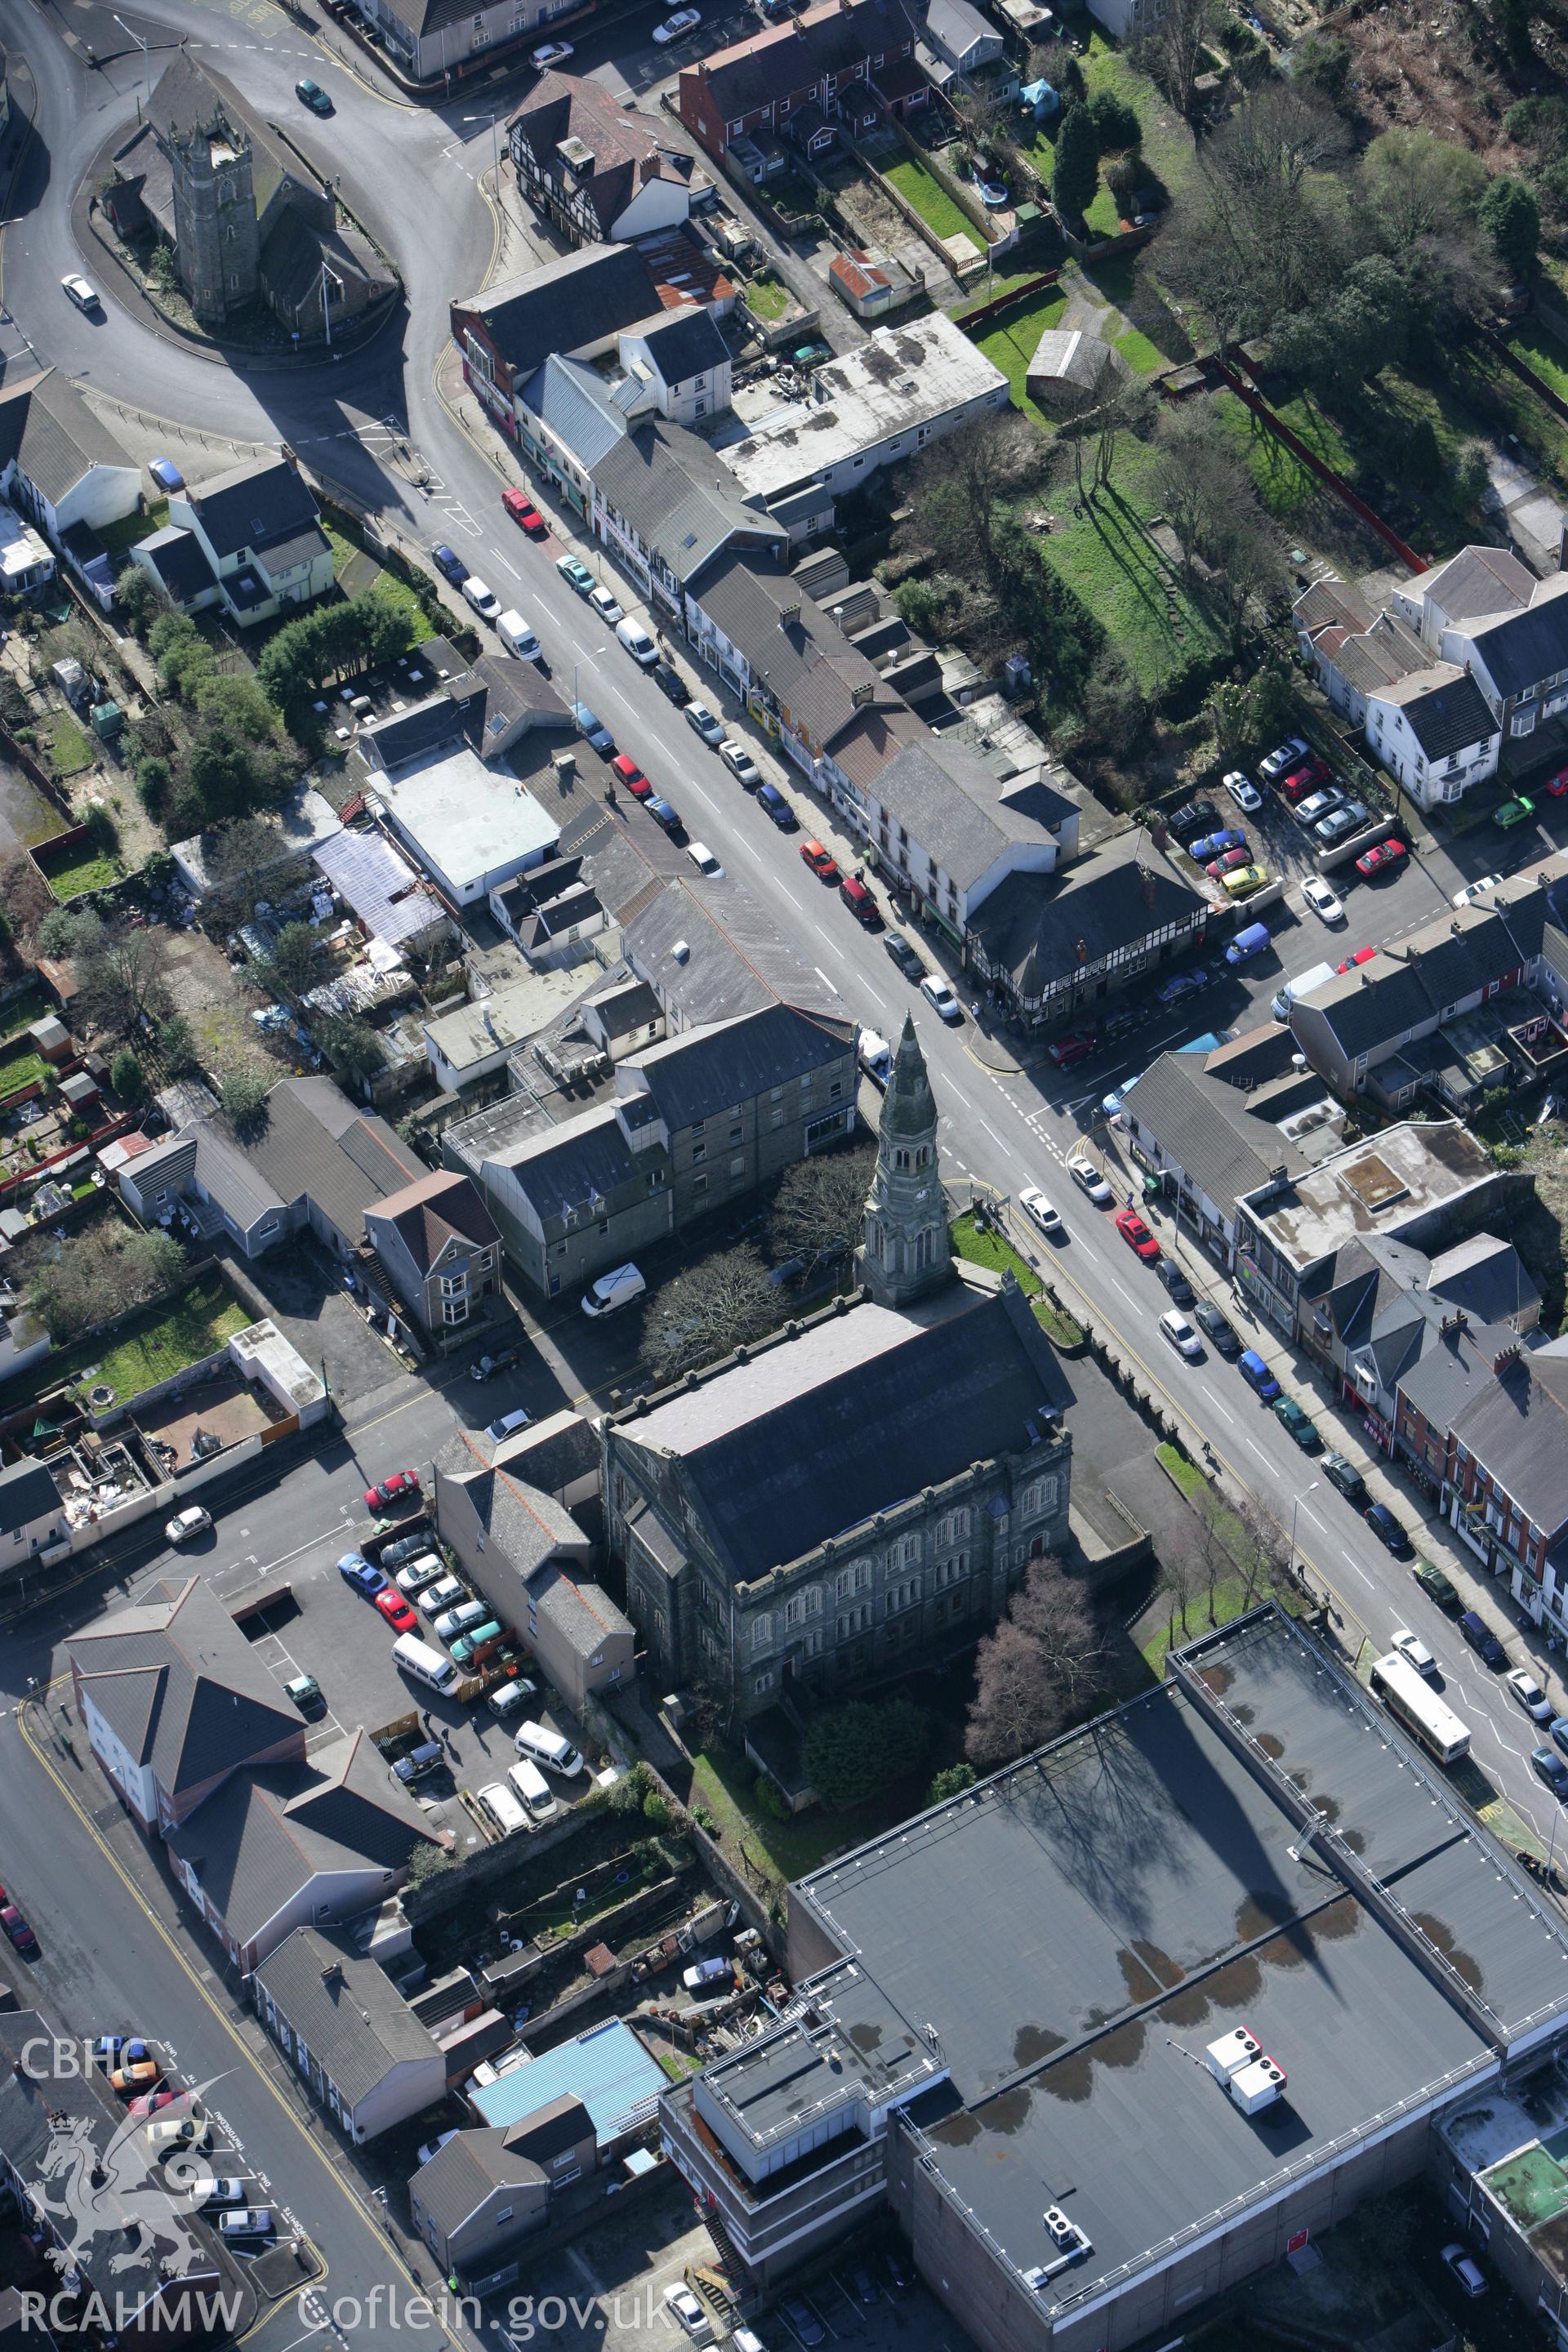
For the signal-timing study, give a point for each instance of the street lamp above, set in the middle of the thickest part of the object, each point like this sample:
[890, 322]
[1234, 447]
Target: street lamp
[142, 45]
[1294, 1508]
[495, 147]
[326, 307]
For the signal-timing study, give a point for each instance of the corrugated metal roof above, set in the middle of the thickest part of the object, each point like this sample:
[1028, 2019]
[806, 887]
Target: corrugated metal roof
[608, 2068]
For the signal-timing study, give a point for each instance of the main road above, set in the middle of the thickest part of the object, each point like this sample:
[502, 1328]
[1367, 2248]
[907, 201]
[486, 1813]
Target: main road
[412, 174]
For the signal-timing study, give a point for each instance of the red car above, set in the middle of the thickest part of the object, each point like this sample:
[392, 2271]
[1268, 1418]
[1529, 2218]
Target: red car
[1309, 778]
[626, 771]
[1136, 1234]
[1558, 785]
[1074, 1047]
[523, 510]
[1381, 858]
[403, 1486]
[151, 2101]
[18, 1929]
[821, 861]
[397, 1611]
[1228, 862]
[1362, 955]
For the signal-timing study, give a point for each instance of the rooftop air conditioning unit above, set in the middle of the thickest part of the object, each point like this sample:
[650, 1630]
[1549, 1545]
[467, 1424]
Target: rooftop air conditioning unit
[1256, 2086]
[1231, 2053]
[1068, 2244]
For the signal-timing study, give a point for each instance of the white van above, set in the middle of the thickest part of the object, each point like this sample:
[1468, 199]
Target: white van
[616, 1289]
[517, 636]
[503, 1808]
[1302, 985]
[549, 1749]
[482, 597]
[426, 1665]
[875, 1056]
[532, 1789]
[638, 643]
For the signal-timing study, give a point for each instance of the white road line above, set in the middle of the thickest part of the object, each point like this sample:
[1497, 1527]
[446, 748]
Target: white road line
[1358, 1571]
[1309, 1512]
[873, 994]
[996, 1139]
[1258, 1451]
[1225, 1408]
[1125, 1292]
[506, 566]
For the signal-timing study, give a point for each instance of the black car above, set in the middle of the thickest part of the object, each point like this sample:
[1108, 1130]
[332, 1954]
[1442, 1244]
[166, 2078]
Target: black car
[1548, 1766]
[670, 684]
[449, 564]
[1388, 1531]
[1483, 1641]
[1216, 1328]
[1193, 816]
[1347, 1478]
[898, 2279]
[904, 955]
[663, 814]
[1175, 1281]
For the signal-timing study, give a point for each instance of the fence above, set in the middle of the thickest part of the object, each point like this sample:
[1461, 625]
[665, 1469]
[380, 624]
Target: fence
[1315, 464]
[1526, 373]
[982, 313]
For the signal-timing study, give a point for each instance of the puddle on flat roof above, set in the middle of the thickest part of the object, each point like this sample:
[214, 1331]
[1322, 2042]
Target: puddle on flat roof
[1272, 1747]
[1033, 2042]
[1462, 1963]
[866, 2035]
[1071, 2079]
[1218, 1678]
[1139, 1981]
[1340, 1919]
[1007, 2112]
[1159, 1963]
[1244, 1715]
[957, 2131]
[1260, 1912]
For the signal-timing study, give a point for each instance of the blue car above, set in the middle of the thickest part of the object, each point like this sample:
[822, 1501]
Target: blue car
[165, 473]
[1214, 844]
[774, 805]
[1559, 1729]
[449, 564]
[1180, 984]
[355, 1570]
[1256, 1375]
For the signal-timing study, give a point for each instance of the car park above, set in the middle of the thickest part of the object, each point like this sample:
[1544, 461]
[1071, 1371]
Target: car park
[1412, 1648]
[683, 2306]
[310, 93]
[403, 1486]
[938, 993]
[524, 513]
[685, 20]
[1381, 858]
[83, 294]
[1039, 1212]
[394, 1608]
[457, 1619]
[702, 858]
[1243, 792]
[1193, 817]
[627, 772]
[604, 603]
[1386, 1528]
[1477, 889]
[471, 1649]
[443, 1594]
[1465, 2271]
[1136, 1235]
[1523, 1686]
[355, 1570]
[594, 730]
[1345, 1475]
[1175, 1327]
[1301, 782]
[575, 573]
[137, 2074]
[1549, 1767]
[482, 597]
[178, 2131]
[1283, 758]
[1518, 811]
[906, 957]
[112, 2048]
[152, 2103]
[192, 1521]
[1323, 902]
[218, 2191]
[1351, 816]
[1243, 881]
[803, 2322]
[419, 1762]
[866, 2288]
[449, 563]
[305, 1693]
[665, 812]
[638, 643]
[511, 1699]
[407, 1546]
[701, 722]
[860, 903]
[1256, 1374]
[1214, 845]
[485, 1367]
[1302, 1430]
[1436, 1586]
[246, 2221]
[741, 764]
[1088, 1178]
[1232, 858]
[1483, 1641]
[822, 862]
[1216, 1329]
[549, 53]
[507, 1425]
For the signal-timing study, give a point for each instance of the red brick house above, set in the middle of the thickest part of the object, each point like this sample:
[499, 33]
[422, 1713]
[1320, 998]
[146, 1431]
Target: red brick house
[848, 62]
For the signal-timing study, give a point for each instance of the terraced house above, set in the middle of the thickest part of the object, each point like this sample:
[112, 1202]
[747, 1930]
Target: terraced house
[850, 62]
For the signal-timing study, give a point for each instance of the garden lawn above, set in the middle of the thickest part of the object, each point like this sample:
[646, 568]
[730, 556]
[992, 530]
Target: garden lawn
[1142, 356]
[1134, 591]
[20, 1067]
[982, 1245]
[1010, 341]
[357, 570]
[766, 298]
[1540, 349]
[84, 868]
[159, 1342]
[1168, 145]
[119, 536]
[66, 746]
[930, 199]
[724, 1782]
[20, 1011]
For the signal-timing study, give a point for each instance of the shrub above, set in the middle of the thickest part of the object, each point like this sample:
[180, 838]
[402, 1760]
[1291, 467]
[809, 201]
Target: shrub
[856, 1751]
[950, 1783]
[1116, 123]
[657, 1811]
[125, 1075]
[770, 1797]
[243, 1095]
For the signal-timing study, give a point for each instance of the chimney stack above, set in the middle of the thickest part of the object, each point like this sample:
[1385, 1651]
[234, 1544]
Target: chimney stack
[1504, 1358]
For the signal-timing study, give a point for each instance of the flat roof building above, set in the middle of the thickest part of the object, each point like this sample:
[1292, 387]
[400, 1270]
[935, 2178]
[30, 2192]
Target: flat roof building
[471, 828]
[1107, 2030]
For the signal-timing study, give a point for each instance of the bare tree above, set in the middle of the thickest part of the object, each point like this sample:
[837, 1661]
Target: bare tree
[1197, 480]
[1174, 51]
[1263, 224]
[715, 1306]
[95, 1275]
[1177, 1582]
[1265, 1562]
[25, 897]
[1044, 1664]
[244, 858]
[819, 1209]
[1126, 406]
[962, 486]
[1248, 566]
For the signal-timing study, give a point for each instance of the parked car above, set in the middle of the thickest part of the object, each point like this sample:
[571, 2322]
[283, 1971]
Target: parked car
[1214, 844]
[192, 1521]
[1214, 1327]
[1318, 805]
[152, 2103]
[575, 573]
[803, 2322]
[1076, 1046]
[1218, 866]
[1549, 1766]
[441, 1595]
[1039, 1212]
[394, 1608]
[702, 858]
[938, 993]
[707, 1972]
[1088, 1178]
[1175, 1281]
[638, 643]
[18, 1932]
[684, 2306]
[1284, 756]
[670, 683]
[458, 1619]
[1483, 1641]
[1474, 890]
[1304, 1432]
[1524, 1688]
[1467, 2273]
[1193, 817]
[471, 1649]
[218, 2191]
[407, 1546]
[523, 513]
[860, 902]
[1175, 1327]
[138, 2074]
[246, 2221]
[594, 730]
[510, 1700]
[701, 722]
[432, 2147]
[1413, 1650]
[604, 604]
[507, 1425]
[1388, 1530]
[403, 1486]
[1301, 781]
[482, 597]
[1351, 816]
[906, 956]
[776, 809]
[178, 2131]
[549, 53]
[740, 763]
[1324, 904]
[1345, 1475]
[1243, 881]
[1518, 811]
[1361, 955]
[310, 93]
[448, 563]
[305, 1693]
[485, 1367]
[1243, 792]
[626, 771]
[420, 1574]
[620, 1287]
[1181, 984]
[165, 473]
[1436, 1586]
[685, 20]
[1256, 1374]
[1136, 1234]
[355, 1570]
[1381, 858]
[664, 812]
[822, 862]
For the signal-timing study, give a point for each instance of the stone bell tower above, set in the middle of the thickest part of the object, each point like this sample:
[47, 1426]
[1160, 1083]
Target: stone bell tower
[905, 1252]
